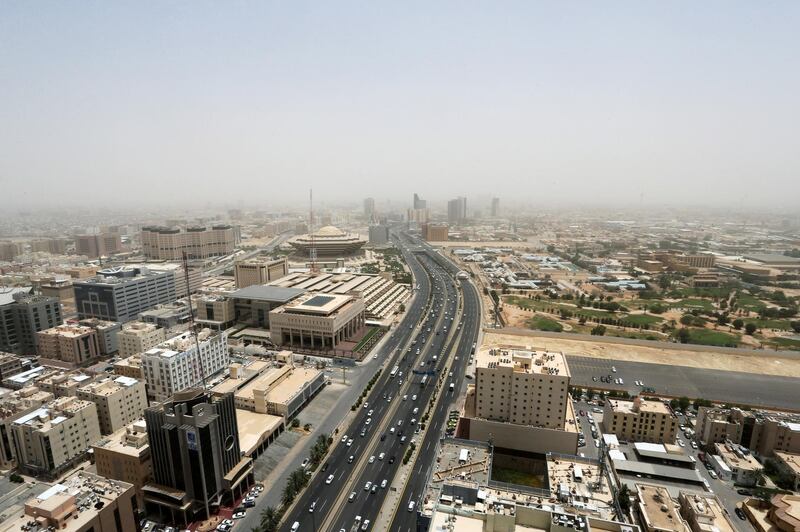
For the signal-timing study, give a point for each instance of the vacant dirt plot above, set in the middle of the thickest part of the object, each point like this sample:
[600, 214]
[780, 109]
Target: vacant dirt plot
[765, 364]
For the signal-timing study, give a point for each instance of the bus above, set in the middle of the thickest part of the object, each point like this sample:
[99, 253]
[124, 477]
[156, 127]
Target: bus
[424, 381]
[394, 371]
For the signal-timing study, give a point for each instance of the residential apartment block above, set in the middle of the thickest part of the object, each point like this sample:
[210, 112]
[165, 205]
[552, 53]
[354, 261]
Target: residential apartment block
[98, 245]
[12, 406]
[119, 401]
[50, 439]
[125, 455]
[177, 364]
[69, 343]
[137, 337]
[107, 334]
[640, 420]
[22, 315]
[761, 431]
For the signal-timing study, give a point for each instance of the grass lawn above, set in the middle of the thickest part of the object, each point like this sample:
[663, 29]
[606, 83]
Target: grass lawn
[544, 324]
[709, 337]
[693, 302]
[641, 319]
[749, 302]
[769, 324]
[372, 332]
[514, 476]
[786, 343]
[548, 304]
[651, 335]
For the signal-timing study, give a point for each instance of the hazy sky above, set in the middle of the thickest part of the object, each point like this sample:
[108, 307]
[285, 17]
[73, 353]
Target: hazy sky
[257, 101]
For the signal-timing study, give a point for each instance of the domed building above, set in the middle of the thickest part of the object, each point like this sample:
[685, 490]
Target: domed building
[329, 241]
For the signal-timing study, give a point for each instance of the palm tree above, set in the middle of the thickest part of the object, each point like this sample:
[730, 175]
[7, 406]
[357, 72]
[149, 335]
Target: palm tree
[269, 519]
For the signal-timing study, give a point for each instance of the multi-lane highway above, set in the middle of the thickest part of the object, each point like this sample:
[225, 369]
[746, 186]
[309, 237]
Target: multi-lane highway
[429, 328]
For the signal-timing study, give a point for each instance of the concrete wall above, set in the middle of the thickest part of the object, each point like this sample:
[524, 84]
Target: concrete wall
[523, 438]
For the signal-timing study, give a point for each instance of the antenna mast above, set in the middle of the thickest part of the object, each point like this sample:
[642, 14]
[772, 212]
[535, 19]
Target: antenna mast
[312, 252]
[191, 319]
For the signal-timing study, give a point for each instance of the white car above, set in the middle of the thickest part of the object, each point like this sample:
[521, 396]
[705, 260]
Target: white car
[344, 438]
[405, 397]
[372, 459]
[414, 397]
[381, 456]
[367, 486]
[329, 479]
[350, 442]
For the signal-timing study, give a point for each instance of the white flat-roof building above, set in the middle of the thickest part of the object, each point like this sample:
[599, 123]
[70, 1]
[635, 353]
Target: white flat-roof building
[176, 364]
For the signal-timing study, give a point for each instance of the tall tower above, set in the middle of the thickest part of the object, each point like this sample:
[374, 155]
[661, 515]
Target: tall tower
[312, 251]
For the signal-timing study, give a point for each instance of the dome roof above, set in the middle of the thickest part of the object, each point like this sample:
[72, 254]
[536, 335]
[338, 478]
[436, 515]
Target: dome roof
[329, 230]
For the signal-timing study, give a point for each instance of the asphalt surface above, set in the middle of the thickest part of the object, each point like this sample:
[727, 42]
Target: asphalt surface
[404, 520]
[432, 293]
[714, 385]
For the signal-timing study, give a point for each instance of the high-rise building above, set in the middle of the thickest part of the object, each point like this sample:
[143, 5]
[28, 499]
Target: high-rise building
[121, 294]
[259, 271]
[9, 250]
[419, 203]
[457, 210]
[640, 420]
[55, 436]
[379, 235]
[119, 401]
[169, 243]
[435, 232]
[69, 343]
[98, 245]
[22, 315]
[137, 337]
[495, 210]
[177, 364]
[56, 246]
[125, 455]
[369, 208]
[197, 467]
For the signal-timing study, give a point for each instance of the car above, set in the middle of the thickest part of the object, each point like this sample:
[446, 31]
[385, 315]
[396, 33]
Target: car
[350, 460]
[413, 421]
[350, 442]
[391, 430]
[391, 459]
[329, 479]
[414, 397]
[381, 456]
[372, 459]
[383, 436]
[368, 421]
[367, 486]
[223, 527]
[399, 422]
[740, 514]
[693, 444]
[352, 496]
[248, 502]
[384, 483]
[411, 505]
[712, 473]
[389, 399]
[365, 526]
[402, 439]
[415, 411]
[239, 515]
[405, 397]
[597, 443]
[745, 492]
[311, 508]
[613, 369]
[305, 463]
[369, 414]
[375, 488]
[375, 356]
[296, 526]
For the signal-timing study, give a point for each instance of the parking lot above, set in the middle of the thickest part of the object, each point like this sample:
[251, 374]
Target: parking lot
[715, 385]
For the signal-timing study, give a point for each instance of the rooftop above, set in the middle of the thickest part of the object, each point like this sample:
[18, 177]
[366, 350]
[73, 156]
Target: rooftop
[523, 361]
[581, 478]
[658, 508]
[733, 456]
[178, 344]
[792, 461]
[316, 304]
[708, 513]
[638, 405]
[67, 331]
[130, 440]
[254, 427]
[267, 293]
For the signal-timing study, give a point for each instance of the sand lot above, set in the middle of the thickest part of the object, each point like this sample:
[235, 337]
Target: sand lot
[765, 364]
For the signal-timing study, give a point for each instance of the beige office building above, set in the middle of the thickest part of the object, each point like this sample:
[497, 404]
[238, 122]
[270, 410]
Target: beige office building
[55, 436]
[98, 245]
[522, 387]
[119, 401]
[165, 243]
[259, 271]
[435, 232]
[763, 432]
[137, 337]
[70, 343]
[125, 455]
[317, 321]
[217, 312]
[640, 420]
[83, 502]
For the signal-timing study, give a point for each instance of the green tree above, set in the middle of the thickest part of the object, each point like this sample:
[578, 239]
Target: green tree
[295, 423]
[269, 519]
[624, 498]
[738, 323]
[684, 335]
[598, 330]
[686, 319]
[750, 328]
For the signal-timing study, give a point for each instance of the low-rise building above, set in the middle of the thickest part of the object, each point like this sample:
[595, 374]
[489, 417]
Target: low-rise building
[137, 337]
[761, 431]
[790, 465]
[63, 383]
[435, 232]
[125, 455]
[83, 502]
[657, 511]
[704, 513]
[129, 367]
[168, 315]
[640, 420]
[178, 364]
[742, 467]
[50, 439]
[73, 344]
[780, 513]
[107, 334]
[216, 312]
[10, 364]
[119, 401]
[317, 321]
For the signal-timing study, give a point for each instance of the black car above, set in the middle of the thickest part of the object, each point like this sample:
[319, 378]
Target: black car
[325, 467]
[740, 514]
[391, 460]
[746, 492]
